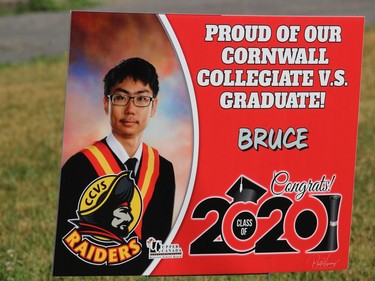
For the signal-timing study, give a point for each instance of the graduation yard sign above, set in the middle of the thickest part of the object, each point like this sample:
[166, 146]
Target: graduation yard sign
[258, 115]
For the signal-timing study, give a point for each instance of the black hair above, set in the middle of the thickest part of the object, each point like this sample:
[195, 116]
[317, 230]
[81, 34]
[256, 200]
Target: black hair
[136, 68]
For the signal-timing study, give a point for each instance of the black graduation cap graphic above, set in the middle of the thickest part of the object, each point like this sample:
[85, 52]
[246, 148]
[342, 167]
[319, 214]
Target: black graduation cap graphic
[246, 190]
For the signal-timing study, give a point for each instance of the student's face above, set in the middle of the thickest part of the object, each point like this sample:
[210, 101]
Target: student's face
[130, 121]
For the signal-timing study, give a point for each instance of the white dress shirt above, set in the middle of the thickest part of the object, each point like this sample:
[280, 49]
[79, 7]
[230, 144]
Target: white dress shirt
[121, 153]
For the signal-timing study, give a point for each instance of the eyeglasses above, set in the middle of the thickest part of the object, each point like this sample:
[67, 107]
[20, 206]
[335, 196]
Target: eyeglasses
[139, 101]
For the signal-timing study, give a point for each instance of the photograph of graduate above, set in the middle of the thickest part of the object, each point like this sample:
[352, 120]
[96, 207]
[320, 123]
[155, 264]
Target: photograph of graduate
[127, 145]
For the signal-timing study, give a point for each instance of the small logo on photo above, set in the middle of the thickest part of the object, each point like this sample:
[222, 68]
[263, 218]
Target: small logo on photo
[158, 250]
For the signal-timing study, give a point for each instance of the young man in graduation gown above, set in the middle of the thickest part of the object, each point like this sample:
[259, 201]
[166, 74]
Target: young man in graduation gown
[99, 214]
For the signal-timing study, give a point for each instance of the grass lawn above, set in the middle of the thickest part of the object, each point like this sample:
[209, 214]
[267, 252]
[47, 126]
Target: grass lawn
[32, 110]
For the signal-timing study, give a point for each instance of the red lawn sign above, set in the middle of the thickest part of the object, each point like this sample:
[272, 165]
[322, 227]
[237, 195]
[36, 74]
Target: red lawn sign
[273, 111]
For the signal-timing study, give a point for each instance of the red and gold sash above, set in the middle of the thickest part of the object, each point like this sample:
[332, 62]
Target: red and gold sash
[105, 163]
[148, 175]
[102, 159]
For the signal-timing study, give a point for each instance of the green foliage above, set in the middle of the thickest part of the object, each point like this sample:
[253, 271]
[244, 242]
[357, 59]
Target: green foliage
[46, 5]
[32, 106]
[42, 5]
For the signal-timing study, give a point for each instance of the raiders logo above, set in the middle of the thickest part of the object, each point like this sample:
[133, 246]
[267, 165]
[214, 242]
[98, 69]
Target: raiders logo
[108, 213]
